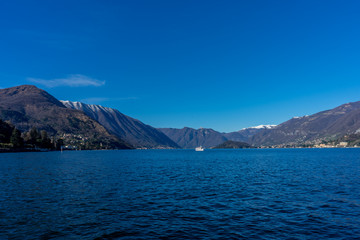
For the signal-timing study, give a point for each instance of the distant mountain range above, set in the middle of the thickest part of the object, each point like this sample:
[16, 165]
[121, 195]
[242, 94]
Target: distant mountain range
[191, 138]
[206, 137]
[129, 129]
[325, 125]
[27, 106]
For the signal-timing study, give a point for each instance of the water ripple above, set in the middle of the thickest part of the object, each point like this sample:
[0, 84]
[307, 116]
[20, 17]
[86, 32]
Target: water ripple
[179, 194]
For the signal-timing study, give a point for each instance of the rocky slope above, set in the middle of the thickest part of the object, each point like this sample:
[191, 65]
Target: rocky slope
[129, 129]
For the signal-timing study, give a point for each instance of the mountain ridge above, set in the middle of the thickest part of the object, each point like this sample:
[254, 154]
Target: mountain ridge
[191, 138]
[324, 125]
[245, 134]
[127, 128]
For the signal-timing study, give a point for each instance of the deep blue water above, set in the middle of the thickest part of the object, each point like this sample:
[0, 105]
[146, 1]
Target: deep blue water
[181, 194]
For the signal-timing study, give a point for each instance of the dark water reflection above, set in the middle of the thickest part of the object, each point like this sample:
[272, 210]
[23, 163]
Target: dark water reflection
[181, 194]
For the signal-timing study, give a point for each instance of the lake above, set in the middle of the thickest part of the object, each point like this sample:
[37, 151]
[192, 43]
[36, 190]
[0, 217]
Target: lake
[181, 194]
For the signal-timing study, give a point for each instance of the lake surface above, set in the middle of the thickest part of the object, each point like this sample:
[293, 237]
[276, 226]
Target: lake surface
[181, 194]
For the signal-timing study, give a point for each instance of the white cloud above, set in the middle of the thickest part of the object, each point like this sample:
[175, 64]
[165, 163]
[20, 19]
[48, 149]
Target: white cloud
[73, 80]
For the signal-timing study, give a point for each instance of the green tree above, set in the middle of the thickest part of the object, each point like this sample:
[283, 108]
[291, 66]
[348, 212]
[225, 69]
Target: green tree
[16, 140]
[45, 140]
[33, 136]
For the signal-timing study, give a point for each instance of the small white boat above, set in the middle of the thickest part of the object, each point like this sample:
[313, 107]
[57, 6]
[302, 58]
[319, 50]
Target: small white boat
[199, 149]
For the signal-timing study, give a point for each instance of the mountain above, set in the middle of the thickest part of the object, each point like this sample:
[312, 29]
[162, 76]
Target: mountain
[27, 106]
[233, 144]
[245, 134]
[129, 129]
[325, 125]
[191, 138]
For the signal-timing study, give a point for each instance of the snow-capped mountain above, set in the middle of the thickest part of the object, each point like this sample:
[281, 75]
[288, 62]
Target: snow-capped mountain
[245, 134]
[129, 129]
[325, 125]
[260, 127]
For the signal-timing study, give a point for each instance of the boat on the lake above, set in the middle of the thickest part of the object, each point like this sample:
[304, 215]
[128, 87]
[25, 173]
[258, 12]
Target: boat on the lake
[199, 149]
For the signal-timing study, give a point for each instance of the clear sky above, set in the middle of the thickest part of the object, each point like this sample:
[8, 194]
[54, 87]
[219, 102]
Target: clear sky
[224, 65]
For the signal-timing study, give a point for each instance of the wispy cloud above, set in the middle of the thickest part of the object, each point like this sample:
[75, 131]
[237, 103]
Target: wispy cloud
[73, 80]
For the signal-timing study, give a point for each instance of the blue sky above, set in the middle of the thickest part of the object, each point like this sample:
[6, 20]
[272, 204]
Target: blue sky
[224, 65]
